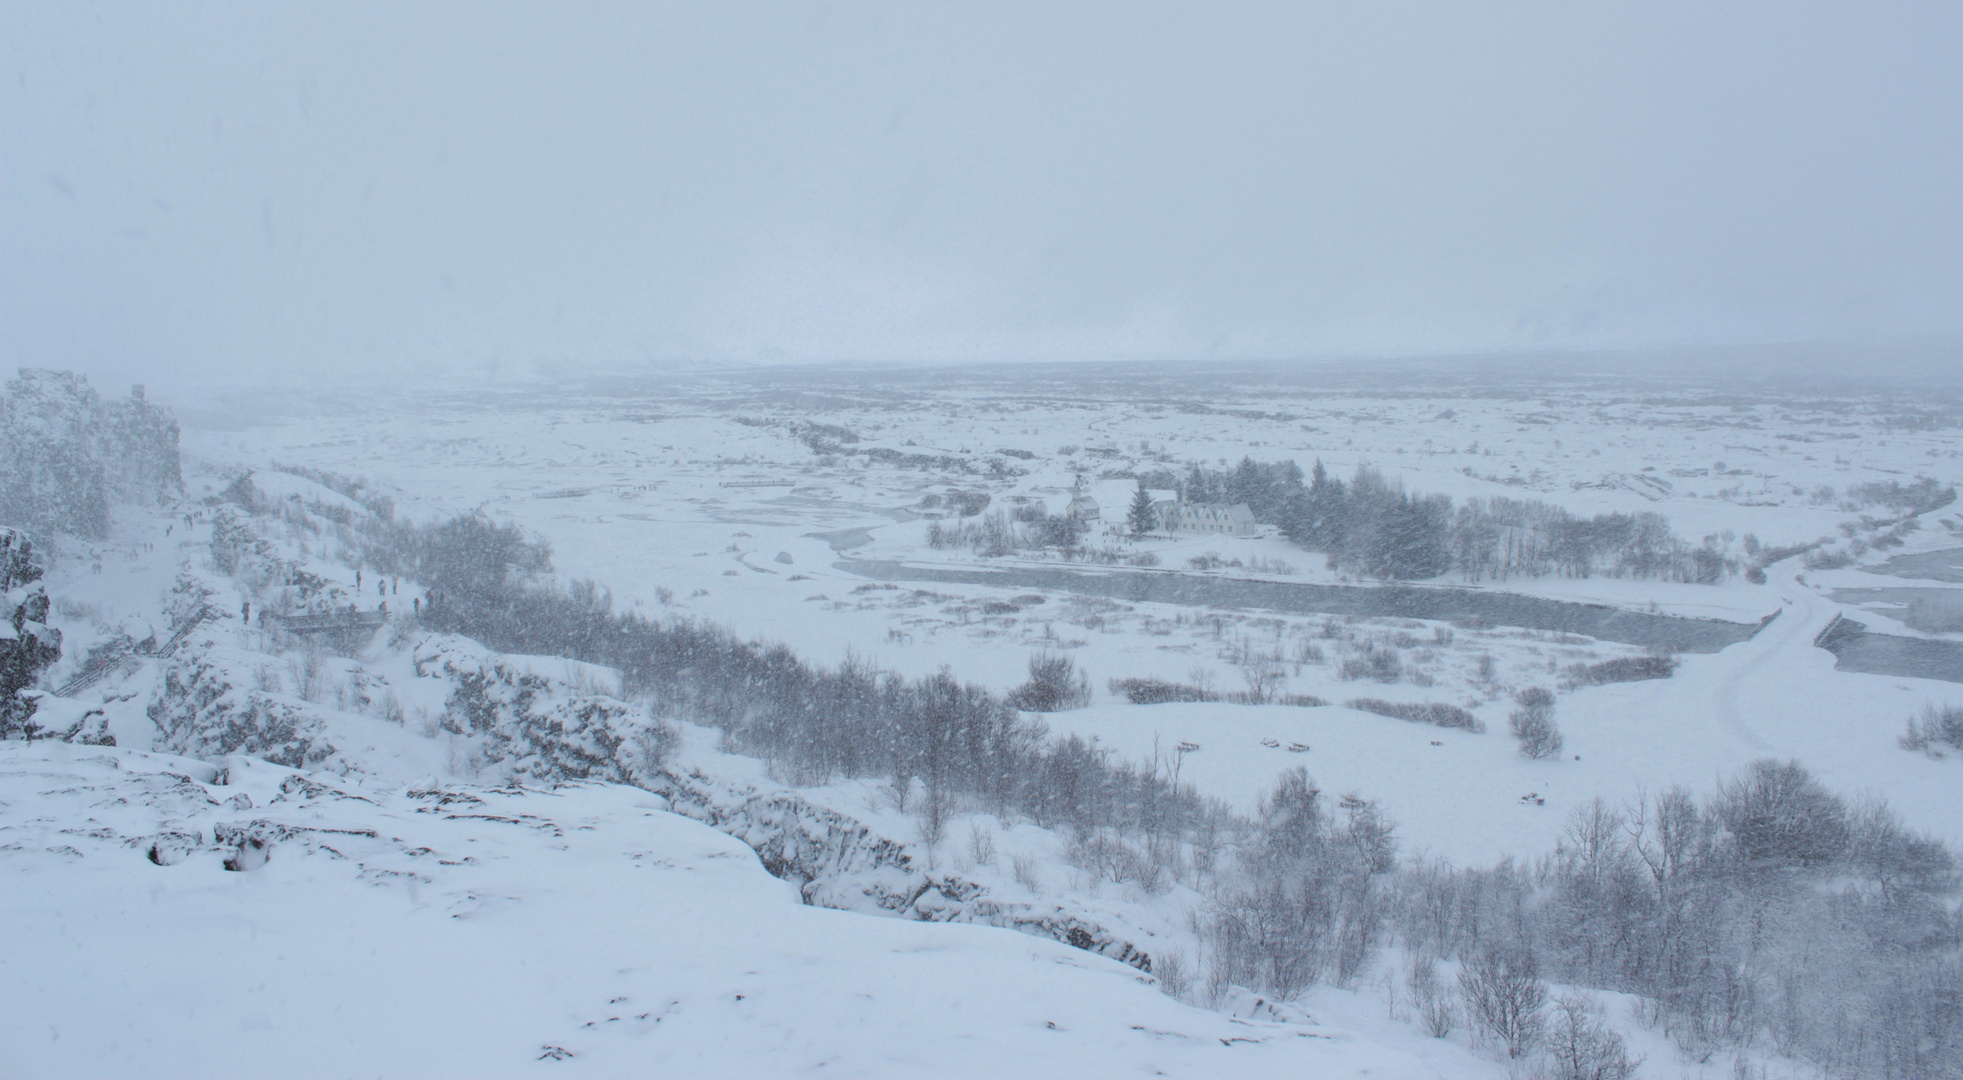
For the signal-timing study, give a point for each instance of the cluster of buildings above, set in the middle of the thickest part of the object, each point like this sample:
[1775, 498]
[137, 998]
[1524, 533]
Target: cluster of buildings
[1171, 514]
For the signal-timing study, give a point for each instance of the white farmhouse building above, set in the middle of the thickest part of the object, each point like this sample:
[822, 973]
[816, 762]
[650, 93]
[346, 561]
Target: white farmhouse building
[1220, 519]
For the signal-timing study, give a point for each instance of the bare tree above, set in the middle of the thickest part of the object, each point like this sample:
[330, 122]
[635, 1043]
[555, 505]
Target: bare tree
[1432, 998]
[1581, 1046]
[1533, 723]
[1055, 685]
[1504, 995]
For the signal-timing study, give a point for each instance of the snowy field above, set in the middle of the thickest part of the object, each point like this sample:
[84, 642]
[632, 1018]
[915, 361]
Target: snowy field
[481, 932]
[417, 863]
[731, 497]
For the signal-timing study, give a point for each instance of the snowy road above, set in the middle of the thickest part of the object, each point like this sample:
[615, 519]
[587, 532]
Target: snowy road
[1752, 663]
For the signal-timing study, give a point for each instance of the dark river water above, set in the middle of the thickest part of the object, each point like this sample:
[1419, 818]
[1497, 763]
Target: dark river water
[1855, 649]
[1399, 601]
[1852, 645]
[1945, 565]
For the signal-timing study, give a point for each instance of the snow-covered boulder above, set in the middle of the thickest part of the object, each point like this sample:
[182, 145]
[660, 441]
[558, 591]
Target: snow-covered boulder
[203, 711]
[536, 727]
[65, 719]
[838, 862]
[28, 645]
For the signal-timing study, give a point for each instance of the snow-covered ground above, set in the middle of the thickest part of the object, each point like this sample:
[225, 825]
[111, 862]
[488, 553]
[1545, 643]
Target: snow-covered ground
[447, 929]
[647, 490]
[411, 898]
[1473, 798]
[397, 906]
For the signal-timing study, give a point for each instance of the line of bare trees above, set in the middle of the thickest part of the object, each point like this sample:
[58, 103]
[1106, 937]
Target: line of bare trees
[1769, 913]
[959, 742]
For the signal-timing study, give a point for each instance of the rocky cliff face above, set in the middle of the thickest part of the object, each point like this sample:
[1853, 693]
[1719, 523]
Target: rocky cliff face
[202, 711]
[536, 728]
[28, 645]
[837, 862]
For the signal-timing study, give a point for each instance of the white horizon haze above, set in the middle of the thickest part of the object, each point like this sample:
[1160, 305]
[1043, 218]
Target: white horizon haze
[228, 190]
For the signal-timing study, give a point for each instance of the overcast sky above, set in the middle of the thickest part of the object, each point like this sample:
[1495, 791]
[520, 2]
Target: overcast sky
[376, 188]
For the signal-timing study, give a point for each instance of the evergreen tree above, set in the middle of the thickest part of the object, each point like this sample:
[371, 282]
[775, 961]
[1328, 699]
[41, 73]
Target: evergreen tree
[1323, 512]
[1199, 486]
[1247, 484]
[1140, 516]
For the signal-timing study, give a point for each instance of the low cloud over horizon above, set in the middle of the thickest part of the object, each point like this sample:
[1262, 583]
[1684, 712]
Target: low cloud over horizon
[230, 189]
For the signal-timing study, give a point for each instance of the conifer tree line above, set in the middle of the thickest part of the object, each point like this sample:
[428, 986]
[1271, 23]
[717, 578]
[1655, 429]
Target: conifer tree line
[70, 456]
[1372, 527]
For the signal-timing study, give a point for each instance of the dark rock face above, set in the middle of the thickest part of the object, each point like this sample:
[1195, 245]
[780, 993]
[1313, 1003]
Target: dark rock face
[839, 863]
[541, 730]
[66, 455]
[200, 713]
[29, 644]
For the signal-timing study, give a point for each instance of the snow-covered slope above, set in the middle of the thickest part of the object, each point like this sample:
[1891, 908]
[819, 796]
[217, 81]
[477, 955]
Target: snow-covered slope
[400, 908]
[459, 930]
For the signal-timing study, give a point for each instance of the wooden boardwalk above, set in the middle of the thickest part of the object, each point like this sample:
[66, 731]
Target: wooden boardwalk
[347, 623]
[101, 671]
[348, 626]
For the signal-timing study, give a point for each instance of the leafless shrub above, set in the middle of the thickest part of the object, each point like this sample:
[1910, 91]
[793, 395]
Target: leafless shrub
[1432, 998]
[1170, 967]
[1504, 996]
[1117, 861]
[981, 844]
[265, 678]
[1621, 669]
[1375, 662]
[1533, 723]
[1024, 869]
[1580, 1046]
[1159, 691]
[1431, 712]
[1262, 678]
[1933, 729]
[310, 671]
[1055, 685]
[1828, 559]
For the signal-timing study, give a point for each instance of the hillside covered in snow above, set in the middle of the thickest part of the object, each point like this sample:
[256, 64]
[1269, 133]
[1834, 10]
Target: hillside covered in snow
[309, 766]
